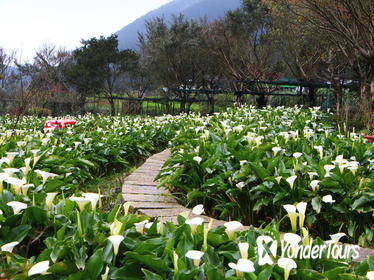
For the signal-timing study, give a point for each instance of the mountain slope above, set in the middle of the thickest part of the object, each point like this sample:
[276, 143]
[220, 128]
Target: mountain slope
[193, 9]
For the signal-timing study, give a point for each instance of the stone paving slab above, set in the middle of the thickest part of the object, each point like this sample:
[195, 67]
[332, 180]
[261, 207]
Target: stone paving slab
[148, 198]
[169, 219]
[364, 253]
[141, 205]
[140, 178]
[138, 183]
[137, 189]
[145, 172]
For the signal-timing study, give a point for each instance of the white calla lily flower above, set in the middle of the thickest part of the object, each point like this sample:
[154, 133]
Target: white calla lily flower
[27, 165]
[16, 184]
[353, 169]
[337, 236]
[11, 156]
[25, 188]
[39, 268]
[243, 266]
[320, 150]
[10, 171]
[315, 185]
[9, 246]
[287, 265]
[328, 169]
[278, 179]
[81, 202]
[328, 199]
[370, 275]
[285, 135]
[94, 198]
[308, 133]
[243, 248]
[301, 208]
[240, 185]
[140, 226]
[106, 274]
[45, 175]
[175, 261]
[115, 227]
[198, 209]
[291, 211]
[291, 180]
[312, 175]
[49, 199]
[194, 223]
[3, 177]
[17, 206]
[276, 150]
[195, 256]
[126, 208]
[116, 241]
[297, 155]
[232, 228]
[197, 159]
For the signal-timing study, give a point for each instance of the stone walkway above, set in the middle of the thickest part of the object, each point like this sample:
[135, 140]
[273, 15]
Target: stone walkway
[141, 190]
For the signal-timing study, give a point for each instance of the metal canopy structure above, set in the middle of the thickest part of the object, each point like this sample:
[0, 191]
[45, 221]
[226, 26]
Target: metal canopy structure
[257, 88]
[251, 83]
[260, 89]
[299, 84]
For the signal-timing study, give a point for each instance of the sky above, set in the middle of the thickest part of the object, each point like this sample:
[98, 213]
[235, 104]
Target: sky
[27, 25]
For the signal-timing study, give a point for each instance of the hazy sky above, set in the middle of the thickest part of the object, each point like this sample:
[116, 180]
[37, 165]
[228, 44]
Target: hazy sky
[26, 25]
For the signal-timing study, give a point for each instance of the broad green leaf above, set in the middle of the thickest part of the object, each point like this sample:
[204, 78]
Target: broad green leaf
[37, 215]
[95, 264]
[258, 170]
[150, 275]
[63, 268]
[152, 262]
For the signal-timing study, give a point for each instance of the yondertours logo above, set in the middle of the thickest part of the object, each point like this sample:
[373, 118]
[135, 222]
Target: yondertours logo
[292, 248]
[267, 249]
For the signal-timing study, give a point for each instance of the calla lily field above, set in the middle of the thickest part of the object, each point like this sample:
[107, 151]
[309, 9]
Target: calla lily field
[255, 165]
[287, 174]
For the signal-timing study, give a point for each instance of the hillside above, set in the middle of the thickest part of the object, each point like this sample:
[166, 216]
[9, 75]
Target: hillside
[194, 9]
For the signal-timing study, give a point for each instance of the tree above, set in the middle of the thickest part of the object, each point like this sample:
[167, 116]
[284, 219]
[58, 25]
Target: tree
[172, 55]
[212, 77]
[48, 80]
[118, 73]
[97, 68]
[87, 72]
[350, 27]
[6, 59]
[244, 46]
[136, 83]
[299, 44]
[20, 90]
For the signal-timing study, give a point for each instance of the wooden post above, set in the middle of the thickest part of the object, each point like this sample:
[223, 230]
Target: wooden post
[312, 96]
[261, 101]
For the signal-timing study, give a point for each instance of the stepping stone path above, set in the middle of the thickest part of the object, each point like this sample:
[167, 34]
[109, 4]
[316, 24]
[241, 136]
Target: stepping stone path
[141, 190]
